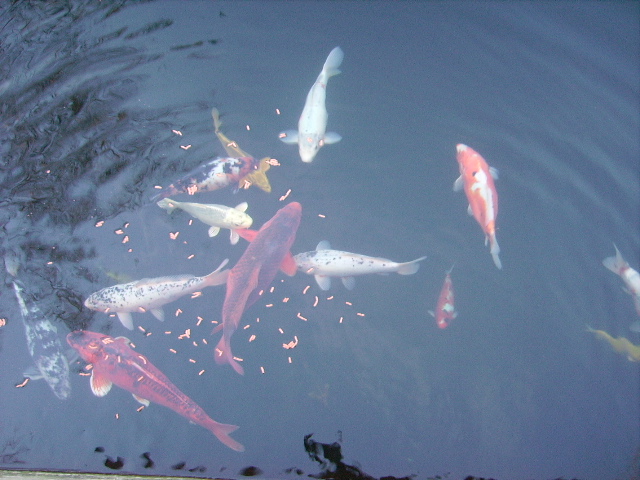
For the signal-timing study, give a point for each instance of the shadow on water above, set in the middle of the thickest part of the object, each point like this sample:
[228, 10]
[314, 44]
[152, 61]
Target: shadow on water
[73, 147]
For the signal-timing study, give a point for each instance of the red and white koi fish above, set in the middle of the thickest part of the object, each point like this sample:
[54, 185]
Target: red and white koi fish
[311, 134]
[114, 361]
[445, 309]
[324, 263]
[630, 277]
[150, 294]
[266, 254]
[476, 177]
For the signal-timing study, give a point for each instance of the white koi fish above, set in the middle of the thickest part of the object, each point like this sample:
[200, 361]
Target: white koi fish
[630, 277]
[311, 134]
[44, 345]
[150, 294]
[216, 216]
[324, 263]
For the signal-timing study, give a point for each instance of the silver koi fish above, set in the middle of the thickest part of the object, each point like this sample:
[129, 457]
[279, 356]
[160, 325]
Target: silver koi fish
[150, 294]
[324, 263]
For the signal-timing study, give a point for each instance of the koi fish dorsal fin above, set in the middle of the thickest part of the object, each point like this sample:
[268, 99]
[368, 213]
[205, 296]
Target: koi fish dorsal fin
[242, 207]
[100, 385]
[323, 245]
[289, 265]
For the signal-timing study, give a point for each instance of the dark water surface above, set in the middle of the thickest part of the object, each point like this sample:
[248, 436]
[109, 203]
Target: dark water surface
[515, 388]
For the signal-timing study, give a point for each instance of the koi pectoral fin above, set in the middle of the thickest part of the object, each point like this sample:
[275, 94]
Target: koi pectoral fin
[289, 137]
[100, 385]
[141, 400]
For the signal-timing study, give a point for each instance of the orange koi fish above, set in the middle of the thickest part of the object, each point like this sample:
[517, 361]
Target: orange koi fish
[114, 361]
[445, 309]
[255, 270]
[476, 177]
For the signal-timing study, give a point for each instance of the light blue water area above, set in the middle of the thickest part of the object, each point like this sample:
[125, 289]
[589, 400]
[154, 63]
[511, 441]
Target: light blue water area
[516, 387]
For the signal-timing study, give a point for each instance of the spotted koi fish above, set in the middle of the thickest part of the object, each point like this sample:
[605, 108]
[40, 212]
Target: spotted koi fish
[150, 294]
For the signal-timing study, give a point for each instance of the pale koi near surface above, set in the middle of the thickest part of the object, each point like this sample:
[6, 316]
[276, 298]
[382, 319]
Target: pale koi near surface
[629, 276]
[311, 134]
[216, 216]
[324, 263]
[150, 294]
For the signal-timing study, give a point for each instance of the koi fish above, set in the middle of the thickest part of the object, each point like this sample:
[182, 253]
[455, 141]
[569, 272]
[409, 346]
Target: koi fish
[44, 345]
[214, 175]
[254, 272]
[216, 216]
[445, 309]
[630, 277]
[150, 294]
[311, 134]
[476, 177]
[239, 168]
[324, 263]
[114, 361]
[257, 177]
[620, 344]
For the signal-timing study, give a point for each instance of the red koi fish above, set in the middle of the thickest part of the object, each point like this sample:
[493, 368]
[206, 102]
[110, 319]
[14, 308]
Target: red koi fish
[445, 309]
[220, 173]
[255, 270]
[114, 361]
[476, 177]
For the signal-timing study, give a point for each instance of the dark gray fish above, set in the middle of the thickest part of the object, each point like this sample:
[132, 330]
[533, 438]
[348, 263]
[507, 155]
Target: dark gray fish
[44, 345]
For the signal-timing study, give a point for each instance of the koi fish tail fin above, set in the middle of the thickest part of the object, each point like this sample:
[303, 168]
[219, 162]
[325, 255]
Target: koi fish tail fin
[409, 268]
[168, 204]
[615, 264]
[333, 62]
[495, 251]
[259, 176]
[222, 431]
[218, 276]
[223, 355]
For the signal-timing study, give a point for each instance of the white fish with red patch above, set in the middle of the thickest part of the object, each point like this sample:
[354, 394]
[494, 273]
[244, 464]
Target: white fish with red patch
[311, 134]
[629, 276]
[151, 294]
[216, 216]
[324, 263]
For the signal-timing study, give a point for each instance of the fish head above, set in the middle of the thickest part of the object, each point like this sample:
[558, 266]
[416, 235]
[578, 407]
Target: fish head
[90, 345]
[98, 302]
[308, 146]
[238, 219]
